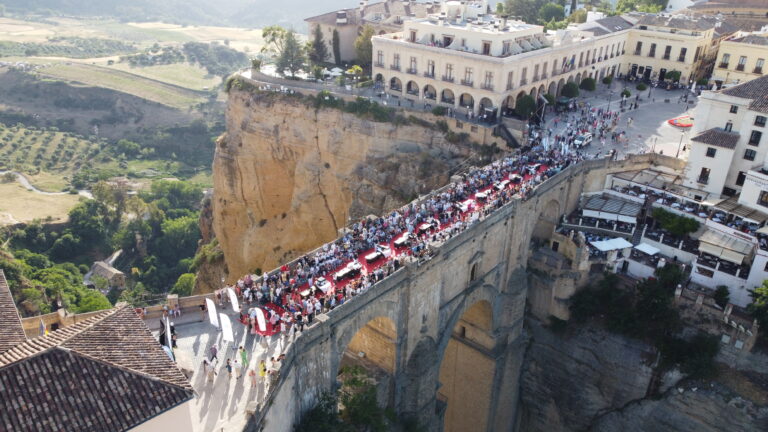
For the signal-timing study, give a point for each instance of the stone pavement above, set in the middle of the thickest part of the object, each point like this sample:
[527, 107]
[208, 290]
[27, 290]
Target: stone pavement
[221, 405]
[649, 130]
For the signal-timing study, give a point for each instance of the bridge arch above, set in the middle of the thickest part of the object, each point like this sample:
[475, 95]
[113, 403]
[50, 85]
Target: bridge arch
[549, 216]
[467, 366]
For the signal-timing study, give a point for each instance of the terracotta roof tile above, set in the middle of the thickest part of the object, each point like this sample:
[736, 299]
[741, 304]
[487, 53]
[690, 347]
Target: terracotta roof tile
[756, 90]
[62, 390]
[718, 138]
[11, 330]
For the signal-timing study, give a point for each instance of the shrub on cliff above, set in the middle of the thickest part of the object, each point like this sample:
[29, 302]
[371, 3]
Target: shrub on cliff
[439, 110]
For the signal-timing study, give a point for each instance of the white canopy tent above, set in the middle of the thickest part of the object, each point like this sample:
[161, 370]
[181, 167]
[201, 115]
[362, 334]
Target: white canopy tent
[646, 248]
[724, 246]
[612, 244]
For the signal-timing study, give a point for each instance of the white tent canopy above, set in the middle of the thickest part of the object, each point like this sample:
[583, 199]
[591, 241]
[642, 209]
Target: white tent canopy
[724, 246]
[646, 248]
[612, 244]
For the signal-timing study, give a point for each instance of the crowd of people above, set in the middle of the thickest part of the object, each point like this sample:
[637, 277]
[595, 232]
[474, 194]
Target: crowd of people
[284, 302]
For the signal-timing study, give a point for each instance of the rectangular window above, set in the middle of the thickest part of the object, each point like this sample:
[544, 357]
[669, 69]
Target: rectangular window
[734, 109]
[581, 59]
[396, 62]
[638, 48]
[506, 47]
[523, 77]
[431, 68]
[760, 121]
[510, 80]
[380, 58]
[759, 66]
[742, 63]
[724, 61]
[535, 72]
[652, 52]
[544, 70]
[468, 75]
[683, 53]
[704, 176]
[711, 152]
[667, 52]
[740, 178]
[728, 126]
[750, 154]
[754, 138]
[486, 48]
[696, 55]
[488, 81]
[413, 36]
[763, 198]
[448, 72]
[412, 67]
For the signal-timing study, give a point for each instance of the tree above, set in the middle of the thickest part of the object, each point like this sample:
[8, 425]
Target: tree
[100, 283]
[87, 221]
[364, 47]
[525, 107]
[626, 93]
[588, 84]
[292, 59]
[92, 301]
[184, 285]
[673, 76]
[759, 306]
[570, 90]
[527, 10]
[580, 16]
[722, 296]
[608, 80]
[551, 11]
[65, 247]
[499, 8]
[318, 51]
[274, 39]
[356, 71]
[336, 44]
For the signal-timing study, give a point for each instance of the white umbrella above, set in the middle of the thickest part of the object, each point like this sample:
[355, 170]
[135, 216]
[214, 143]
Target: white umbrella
[335, 73]
[337, 70]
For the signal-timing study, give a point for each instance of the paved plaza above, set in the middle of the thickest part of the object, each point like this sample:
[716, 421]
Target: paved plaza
[648, 131]
[221, 405]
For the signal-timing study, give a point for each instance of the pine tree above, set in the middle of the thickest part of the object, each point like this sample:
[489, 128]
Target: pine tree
[318, 51]
[336, 47]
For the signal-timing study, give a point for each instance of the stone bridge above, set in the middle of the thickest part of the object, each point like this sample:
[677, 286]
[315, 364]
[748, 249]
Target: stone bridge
[448, 333]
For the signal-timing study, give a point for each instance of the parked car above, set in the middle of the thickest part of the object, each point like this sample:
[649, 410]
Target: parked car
[583, 140]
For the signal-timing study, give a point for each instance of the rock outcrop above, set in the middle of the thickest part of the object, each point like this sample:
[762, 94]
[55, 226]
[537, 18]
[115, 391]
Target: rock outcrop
[592, 380]
[288, 176]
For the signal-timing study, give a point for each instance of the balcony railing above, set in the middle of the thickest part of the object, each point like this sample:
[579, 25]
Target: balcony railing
[395, 67]
[740, 67]
[723, 66]
[379, 64]
[510, 86]
[467, 83]
[429, 74]
[637, 52]
[758, 70]
[523, 82]
[447, 78]
[666, 57]
[682, 60]
[535, 78]
[486, 86]
[703, 180]
[544, 76]
[411, 71]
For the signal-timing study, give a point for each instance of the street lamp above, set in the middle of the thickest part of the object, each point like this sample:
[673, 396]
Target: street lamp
[682, 134]
[610, 96]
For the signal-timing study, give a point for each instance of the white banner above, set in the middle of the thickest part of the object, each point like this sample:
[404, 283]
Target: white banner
[168, 336]
[233, 299]
[226, 329]
[261, 320]
[212, 312]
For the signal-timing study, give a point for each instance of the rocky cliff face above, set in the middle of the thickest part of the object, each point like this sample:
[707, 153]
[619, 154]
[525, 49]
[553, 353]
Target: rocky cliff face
[591, 380]
[288, 176]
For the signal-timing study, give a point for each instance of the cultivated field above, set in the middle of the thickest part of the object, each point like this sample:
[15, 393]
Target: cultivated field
[21, 205]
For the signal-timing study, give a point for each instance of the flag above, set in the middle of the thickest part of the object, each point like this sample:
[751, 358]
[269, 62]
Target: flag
[233, 299]
[42, 328]
[226, 329]
[212, 312]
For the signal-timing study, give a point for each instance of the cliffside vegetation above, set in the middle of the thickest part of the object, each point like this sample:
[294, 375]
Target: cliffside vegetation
[354, 407]
[156, 230]
[645, 311]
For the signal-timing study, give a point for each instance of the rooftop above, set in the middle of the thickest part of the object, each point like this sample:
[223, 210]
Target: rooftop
[11, 330]
[751, 39]
[755, 90]
[717, 137]
[606, 25]
[115, 373]
[686, 22]
[385, 12]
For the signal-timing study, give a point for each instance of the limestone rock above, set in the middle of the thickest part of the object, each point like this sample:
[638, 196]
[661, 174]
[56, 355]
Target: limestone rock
[288, 176]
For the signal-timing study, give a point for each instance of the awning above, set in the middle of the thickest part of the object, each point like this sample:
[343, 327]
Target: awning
[724, 246]
[732, 206]
[612, 244]
[646, 248]
[763, 230]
